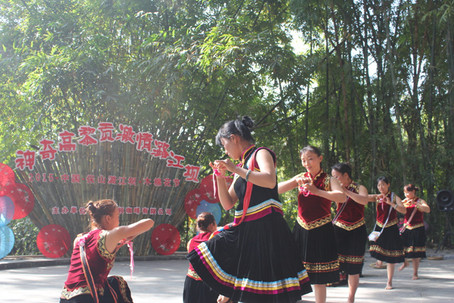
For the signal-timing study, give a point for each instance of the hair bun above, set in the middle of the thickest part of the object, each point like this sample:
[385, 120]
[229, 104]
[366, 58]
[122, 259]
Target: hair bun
[411, 187]
[91, 206]
[248, 122]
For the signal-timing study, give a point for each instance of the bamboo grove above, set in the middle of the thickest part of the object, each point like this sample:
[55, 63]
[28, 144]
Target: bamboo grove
[370, 82]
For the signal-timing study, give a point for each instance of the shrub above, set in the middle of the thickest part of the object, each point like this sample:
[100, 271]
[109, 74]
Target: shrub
[25, 233]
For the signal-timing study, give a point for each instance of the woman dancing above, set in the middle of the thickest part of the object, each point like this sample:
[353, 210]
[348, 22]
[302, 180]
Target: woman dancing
[94, 255]
[413, 231]
[388, 247]
[350, 227]
[314, 233]
[255, 259]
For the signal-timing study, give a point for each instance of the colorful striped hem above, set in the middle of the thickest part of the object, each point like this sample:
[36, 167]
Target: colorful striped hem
[259, 211]
[245, 284]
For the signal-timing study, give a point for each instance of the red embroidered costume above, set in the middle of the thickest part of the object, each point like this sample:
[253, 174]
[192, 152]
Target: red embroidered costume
[351, 234]
[100, 261]
[414, 235]
[388, 247]
[314, 233]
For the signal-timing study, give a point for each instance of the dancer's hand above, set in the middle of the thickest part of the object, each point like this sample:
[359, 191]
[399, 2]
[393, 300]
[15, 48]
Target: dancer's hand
[223, 299]
[308, 186]
[223, 165]
[380, 198]
[385, 199]
[216, 170]
[301, 181]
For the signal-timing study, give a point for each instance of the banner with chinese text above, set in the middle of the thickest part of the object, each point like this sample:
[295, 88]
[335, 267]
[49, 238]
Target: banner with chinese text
[140, 172]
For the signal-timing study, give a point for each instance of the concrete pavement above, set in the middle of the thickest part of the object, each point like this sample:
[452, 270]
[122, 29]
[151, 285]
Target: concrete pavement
[161, 281]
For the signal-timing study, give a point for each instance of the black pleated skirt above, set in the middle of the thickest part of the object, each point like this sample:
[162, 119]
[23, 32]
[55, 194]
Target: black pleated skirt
[318, 252]
[388, 247]
[195, 291]
[351, 247]
[414, 241]
[255, 261]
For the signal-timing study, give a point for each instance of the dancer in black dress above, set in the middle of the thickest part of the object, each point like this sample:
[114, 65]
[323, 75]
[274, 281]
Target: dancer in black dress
[255, 259]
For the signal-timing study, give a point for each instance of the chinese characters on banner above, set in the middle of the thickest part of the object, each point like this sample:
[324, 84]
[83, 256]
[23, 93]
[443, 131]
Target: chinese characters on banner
[105, 132]
[129, 210]
[101, 179]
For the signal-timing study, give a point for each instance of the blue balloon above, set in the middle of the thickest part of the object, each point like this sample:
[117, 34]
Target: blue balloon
[213, 208]
[6, 210]
[6, 241]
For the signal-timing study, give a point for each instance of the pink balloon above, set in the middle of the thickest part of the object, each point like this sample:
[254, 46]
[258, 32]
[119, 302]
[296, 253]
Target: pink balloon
[6, 210]
[23, 199]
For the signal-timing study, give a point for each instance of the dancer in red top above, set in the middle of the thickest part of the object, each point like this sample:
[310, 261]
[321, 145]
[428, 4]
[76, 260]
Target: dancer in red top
[388, 247]
[195, 290]
[413, 231]
[350, 227]
[314, 232]
[101, 245]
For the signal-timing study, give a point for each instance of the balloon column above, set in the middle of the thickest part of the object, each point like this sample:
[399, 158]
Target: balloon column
[6, 210]
[6, 234]
[16, 202]
[20, 194]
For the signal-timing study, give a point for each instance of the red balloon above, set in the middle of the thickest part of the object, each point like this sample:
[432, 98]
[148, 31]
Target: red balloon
[53, 241]
[207, 188]
[6, 177]
[165, 239]
[191, 201]
[23, 199]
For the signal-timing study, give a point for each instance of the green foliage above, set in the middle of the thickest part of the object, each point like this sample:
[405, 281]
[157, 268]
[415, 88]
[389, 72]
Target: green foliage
[290, 206]
[25, 233]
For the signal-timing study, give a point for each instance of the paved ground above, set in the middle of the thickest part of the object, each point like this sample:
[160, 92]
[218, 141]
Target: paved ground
[161, 281]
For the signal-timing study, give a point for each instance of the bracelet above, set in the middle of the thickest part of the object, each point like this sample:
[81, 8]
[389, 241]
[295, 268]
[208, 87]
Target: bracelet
[247, 175]
[395, 206]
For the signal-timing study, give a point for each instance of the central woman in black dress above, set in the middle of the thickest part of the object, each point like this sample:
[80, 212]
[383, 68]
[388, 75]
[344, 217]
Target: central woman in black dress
[255, 259]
